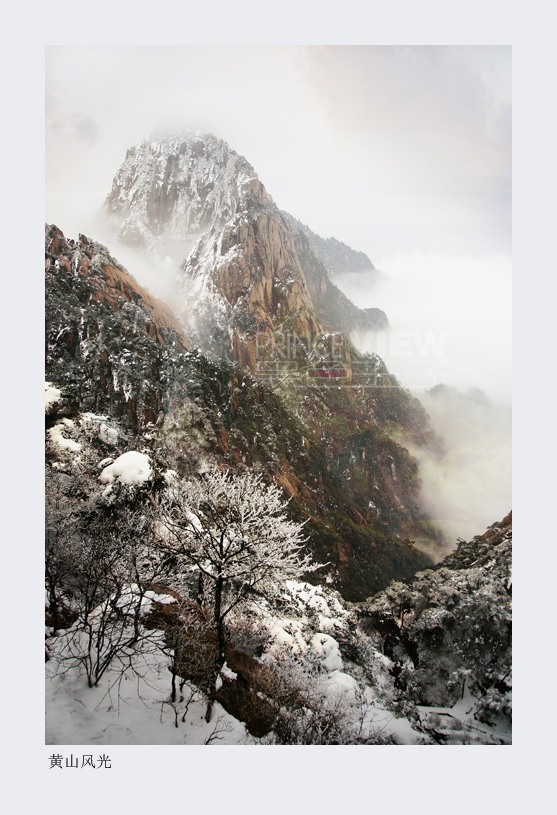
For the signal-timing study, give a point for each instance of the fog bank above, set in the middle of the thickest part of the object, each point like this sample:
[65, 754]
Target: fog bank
[450, 320]
[470, 487]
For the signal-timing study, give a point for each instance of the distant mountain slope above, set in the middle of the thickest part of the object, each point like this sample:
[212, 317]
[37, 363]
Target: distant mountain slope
[115, 352]
[334, 309]
[336, 257]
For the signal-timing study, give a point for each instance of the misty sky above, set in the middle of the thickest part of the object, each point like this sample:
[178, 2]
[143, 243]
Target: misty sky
[403, 152]
[387, 148]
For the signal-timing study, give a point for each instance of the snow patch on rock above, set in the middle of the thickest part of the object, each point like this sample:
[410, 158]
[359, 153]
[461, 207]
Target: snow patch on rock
[51, 395]
[130, 468]
[61, 441]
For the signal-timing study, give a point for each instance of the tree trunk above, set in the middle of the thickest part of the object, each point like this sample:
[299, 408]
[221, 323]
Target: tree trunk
[201, 590]
[173, 671]
[53, 609]
[221, 647]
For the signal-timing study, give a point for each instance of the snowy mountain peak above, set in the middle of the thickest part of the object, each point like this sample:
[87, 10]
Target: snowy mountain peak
[237, 268]
[174, 186]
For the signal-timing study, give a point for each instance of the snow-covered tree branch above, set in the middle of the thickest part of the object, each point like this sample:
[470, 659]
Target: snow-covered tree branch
[235, 531]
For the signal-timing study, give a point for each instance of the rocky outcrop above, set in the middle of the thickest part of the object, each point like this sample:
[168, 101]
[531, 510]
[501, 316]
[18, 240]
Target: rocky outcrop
[110, 284]
[245, 286]
[450, 627]
[170, 188]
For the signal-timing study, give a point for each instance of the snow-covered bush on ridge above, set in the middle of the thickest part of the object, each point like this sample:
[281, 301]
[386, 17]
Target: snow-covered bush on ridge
[326, 648]
[314, 706]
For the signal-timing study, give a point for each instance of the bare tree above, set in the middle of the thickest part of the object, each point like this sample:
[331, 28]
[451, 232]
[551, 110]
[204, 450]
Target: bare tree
[235, 531]
[105, 558]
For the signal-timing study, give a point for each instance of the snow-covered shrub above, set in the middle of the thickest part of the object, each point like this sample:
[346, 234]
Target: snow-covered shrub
[315, 706]
[248, 634]
[494, 705]
[326, 648]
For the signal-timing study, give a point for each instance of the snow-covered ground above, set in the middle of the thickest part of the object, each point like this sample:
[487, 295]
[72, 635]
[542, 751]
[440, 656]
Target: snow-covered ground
[133, 708]
[132, 702]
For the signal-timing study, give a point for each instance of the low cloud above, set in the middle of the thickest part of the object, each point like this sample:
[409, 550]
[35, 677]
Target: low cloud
[86, 128]
[450, 320]
[470, 486]
[450, 343]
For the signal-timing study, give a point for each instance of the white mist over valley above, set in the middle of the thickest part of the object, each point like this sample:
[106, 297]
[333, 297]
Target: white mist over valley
[450, 325]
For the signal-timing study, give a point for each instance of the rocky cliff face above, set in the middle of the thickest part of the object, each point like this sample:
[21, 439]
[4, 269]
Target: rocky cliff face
[245, 285]
[244, 276]
[171, 189]
[109, 343]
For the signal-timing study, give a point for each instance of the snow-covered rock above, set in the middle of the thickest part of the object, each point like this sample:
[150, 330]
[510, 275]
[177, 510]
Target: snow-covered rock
[129, 468]
[61, 441]
[448, 631]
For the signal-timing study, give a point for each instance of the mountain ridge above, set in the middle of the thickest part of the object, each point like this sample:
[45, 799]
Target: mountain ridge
[323, 445]
[250, 373]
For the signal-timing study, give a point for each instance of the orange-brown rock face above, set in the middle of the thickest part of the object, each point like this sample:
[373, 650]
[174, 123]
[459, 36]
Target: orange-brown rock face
[264, 275]
[251, 277]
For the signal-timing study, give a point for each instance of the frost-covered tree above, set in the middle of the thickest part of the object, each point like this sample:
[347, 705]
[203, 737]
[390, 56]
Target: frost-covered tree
[234, 530]
[101, 560]
[113, 563]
